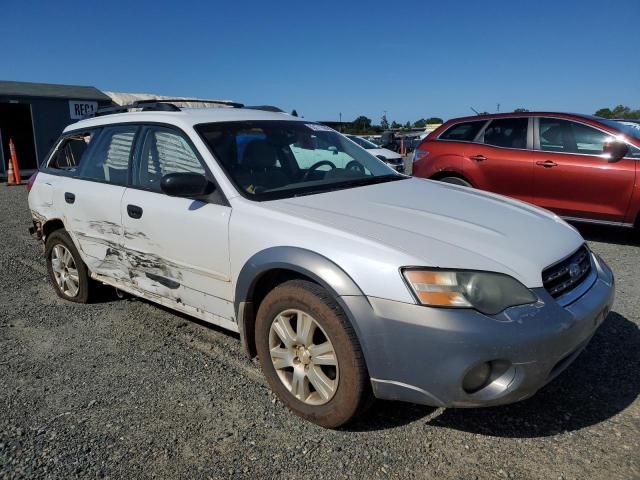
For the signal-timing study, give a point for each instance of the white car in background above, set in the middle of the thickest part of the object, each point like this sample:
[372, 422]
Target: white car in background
[393, 159]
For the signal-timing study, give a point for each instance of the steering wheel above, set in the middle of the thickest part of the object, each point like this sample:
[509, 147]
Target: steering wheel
[315, 166]
[355, 166]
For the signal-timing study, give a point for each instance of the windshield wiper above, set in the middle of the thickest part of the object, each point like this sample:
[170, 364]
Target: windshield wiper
[369, 180]
[358, 182]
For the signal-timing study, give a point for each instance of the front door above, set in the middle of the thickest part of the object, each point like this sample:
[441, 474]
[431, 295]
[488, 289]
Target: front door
[177, 248]
[572, 176]
[500, 160]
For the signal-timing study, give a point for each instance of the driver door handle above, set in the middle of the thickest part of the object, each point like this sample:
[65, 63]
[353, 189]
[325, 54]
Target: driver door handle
[134, 211]
[547, 163]
[478, 158]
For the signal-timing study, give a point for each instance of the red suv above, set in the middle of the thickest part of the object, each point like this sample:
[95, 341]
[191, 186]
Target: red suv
[581, 167]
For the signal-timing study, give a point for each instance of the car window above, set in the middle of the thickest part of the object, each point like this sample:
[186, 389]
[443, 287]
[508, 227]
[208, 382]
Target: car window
[634, 152]
[279, 159]
[164, 151]
[366, 144]
[72, 151]
[108, 159]
[507, 132]
[558, 135]
[465, 131]
[324, 150]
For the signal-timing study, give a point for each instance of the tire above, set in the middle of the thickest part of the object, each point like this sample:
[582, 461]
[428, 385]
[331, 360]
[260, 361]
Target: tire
[456, 181]
[58, 243]
[345, 389]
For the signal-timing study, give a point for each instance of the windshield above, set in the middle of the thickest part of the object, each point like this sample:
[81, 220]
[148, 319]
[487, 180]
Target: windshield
[627, 127]
[279, 159]
[362, 142]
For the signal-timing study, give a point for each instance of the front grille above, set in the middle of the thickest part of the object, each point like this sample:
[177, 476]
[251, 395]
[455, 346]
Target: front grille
[564, 276]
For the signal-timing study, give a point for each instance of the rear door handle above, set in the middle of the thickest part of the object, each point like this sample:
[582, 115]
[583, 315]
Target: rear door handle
[547, 163]
[134, 211]
[478, 158]
[69, 197]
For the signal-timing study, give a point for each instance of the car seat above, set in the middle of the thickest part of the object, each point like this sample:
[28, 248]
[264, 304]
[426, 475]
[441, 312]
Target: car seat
[261, 167]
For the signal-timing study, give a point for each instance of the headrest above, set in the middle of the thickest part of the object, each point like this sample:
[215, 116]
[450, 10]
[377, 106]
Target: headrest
[259, 154]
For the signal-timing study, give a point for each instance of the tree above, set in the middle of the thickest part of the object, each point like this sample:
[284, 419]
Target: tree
[395, 125]
[420, 123]
[520, 110]
[407, 125]
[433, 120]
[384, 123]
[620, 111]
[362, 123]
[604, 113]
[294, 113]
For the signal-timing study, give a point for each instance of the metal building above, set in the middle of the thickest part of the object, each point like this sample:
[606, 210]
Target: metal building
[34, 114]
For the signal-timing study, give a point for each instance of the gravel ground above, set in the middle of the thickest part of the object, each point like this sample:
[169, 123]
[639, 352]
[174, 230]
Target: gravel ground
[125, 389]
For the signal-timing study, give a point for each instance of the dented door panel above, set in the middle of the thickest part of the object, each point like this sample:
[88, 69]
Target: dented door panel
[178, 248]
[95, 223]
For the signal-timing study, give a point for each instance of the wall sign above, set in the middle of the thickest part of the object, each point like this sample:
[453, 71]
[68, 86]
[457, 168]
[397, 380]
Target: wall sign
[79, 109]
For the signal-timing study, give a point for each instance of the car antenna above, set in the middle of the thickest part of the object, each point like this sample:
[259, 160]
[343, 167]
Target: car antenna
[475, 111]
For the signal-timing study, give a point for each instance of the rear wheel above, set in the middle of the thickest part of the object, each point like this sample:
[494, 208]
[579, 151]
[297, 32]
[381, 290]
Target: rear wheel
[310, 355]
[456, 181]
[67, 272]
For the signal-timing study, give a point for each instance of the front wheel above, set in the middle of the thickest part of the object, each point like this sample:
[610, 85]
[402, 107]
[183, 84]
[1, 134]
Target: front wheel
[310, 355]
[456, 181]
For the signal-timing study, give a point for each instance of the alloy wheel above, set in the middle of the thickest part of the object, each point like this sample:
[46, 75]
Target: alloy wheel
[65, 271]
[303, 357]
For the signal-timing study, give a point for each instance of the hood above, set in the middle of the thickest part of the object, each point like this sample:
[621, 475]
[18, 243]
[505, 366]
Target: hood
[385, 152]
[442, 225]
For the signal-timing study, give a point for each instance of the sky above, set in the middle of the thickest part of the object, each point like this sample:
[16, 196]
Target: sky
[412, 59]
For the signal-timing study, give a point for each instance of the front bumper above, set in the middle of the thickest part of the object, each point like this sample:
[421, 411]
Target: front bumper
[396, 163]
[421, 355]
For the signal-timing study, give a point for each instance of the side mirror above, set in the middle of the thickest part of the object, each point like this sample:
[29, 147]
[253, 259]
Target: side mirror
[615, 150]
[333, 149]
[186, 185]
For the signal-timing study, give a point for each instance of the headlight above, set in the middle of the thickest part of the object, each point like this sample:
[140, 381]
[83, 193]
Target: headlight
[487, 292]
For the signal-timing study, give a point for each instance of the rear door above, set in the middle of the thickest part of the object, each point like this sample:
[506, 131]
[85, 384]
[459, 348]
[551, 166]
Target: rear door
[500, 159]
[177, 248]
[572, 176]
[91, 198]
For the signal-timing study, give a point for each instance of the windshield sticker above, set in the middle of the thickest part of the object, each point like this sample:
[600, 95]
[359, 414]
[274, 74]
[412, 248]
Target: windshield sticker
[319, 128]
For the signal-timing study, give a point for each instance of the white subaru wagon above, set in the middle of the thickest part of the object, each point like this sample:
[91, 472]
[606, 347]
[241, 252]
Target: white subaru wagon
[347, 279]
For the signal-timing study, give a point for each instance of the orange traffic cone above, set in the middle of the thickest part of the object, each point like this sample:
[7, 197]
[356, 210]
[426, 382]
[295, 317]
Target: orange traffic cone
[11, 179]
[14, 161]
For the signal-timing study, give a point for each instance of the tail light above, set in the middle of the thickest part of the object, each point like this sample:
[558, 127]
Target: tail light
[32, 179]
[419, 154]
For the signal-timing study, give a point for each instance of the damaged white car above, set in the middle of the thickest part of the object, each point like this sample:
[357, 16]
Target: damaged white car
[347, 279]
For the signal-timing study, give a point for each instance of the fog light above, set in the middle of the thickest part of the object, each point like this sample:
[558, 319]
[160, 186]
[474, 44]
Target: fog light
[477, 377]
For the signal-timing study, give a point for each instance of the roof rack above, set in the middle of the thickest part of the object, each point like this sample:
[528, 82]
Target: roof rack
[266, 108]
[158, 105]
[228, 103]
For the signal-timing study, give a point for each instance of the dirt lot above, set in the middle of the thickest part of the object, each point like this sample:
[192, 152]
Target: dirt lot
[125, 389]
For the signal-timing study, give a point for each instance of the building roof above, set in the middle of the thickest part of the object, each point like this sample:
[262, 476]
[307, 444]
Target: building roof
[50, 90]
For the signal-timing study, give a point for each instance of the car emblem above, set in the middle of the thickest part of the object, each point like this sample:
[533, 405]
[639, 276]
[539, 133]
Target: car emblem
[574, 270]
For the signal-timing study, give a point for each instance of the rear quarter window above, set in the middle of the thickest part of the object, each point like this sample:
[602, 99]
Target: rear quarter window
[71, 152]
[464, 131]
